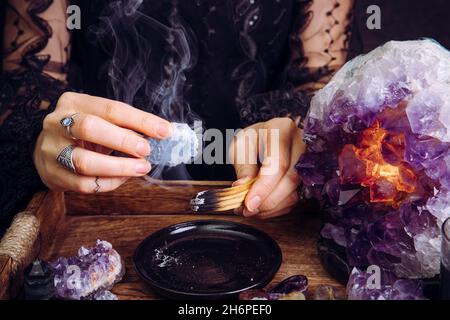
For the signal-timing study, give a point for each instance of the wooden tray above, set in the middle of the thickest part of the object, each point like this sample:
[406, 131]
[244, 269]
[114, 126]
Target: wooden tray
[128, 215]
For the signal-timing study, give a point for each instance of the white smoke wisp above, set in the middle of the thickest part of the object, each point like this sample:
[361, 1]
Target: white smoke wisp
[149, 61]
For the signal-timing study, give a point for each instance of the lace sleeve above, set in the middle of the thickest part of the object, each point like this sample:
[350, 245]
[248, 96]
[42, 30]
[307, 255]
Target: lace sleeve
[319, 44]
[35, 55]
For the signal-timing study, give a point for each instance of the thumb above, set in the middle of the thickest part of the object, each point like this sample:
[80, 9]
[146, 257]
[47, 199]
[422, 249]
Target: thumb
[244, 173]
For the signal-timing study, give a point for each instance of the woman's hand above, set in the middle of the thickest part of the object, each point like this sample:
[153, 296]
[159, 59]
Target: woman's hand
[278, 144]
[100, 126]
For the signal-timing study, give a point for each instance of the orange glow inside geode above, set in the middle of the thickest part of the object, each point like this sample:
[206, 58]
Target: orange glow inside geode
[377, 162]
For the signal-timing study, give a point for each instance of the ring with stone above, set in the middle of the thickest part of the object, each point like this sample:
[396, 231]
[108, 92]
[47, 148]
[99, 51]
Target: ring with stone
[65, 158]
[68, 123]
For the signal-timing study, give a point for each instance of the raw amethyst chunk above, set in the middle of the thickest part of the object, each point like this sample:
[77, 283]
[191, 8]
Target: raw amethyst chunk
[92, 271]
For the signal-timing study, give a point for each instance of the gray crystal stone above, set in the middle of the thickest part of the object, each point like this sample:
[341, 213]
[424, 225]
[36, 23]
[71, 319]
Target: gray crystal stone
[38, 282]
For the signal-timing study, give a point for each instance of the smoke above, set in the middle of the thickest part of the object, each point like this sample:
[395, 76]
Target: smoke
[149, 61]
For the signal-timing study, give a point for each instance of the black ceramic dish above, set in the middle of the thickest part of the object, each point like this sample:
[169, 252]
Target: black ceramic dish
[209, 259]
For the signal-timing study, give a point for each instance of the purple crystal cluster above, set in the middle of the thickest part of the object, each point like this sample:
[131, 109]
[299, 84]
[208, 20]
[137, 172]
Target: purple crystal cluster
[404, 88]
[90, 274]
[362, 287]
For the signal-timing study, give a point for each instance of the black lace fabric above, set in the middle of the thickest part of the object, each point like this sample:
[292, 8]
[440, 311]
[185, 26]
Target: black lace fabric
[35, 55]
[318, 47]
[255, 84]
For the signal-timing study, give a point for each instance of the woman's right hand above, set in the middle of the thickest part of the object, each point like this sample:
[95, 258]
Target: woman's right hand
[100, 126]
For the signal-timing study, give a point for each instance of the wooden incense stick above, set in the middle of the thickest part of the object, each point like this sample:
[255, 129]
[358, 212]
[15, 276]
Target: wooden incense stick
[221, 200]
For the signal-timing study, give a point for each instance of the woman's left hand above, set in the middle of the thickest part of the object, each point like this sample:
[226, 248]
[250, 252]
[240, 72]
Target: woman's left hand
[278, 145]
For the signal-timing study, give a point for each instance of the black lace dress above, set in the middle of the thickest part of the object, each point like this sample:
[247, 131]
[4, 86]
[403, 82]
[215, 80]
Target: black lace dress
[239, 62]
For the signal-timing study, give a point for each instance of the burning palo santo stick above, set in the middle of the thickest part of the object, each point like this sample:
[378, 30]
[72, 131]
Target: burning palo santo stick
[221, 200]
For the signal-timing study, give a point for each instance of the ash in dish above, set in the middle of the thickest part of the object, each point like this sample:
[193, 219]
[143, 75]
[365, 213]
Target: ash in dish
[181, 148]
[165, 260]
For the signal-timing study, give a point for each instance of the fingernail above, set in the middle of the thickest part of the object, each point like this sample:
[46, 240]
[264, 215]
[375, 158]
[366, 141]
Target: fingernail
[254, 204]
[163, 129]
[143, 167]
[143, 149]
[246, 213]
[240, 181]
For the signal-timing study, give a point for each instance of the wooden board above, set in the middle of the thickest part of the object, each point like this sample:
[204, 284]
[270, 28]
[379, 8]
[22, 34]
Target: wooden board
[296, 236]
[130, 214]
[138, 197]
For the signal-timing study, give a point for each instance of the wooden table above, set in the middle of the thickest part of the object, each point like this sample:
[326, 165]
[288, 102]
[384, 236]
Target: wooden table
[130, 214]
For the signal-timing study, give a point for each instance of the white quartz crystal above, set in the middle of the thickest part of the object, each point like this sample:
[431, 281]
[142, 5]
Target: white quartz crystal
[181, 148]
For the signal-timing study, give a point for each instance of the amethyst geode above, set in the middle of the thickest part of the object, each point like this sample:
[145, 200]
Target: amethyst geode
[90, 274]
[378, 157]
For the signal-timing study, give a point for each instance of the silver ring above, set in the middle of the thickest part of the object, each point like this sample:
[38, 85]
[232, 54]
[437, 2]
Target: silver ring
[97, 184]
[68, 123]
[65, 158]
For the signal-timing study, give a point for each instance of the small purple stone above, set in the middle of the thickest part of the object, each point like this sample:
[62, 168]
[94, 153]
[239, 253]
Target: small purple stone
[293, 288]
[297, 283]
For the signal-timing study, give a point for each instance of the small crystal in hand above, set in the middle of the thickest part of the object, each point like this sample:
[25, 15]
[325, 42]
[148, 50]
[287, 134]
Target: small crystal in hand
[181, 147]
